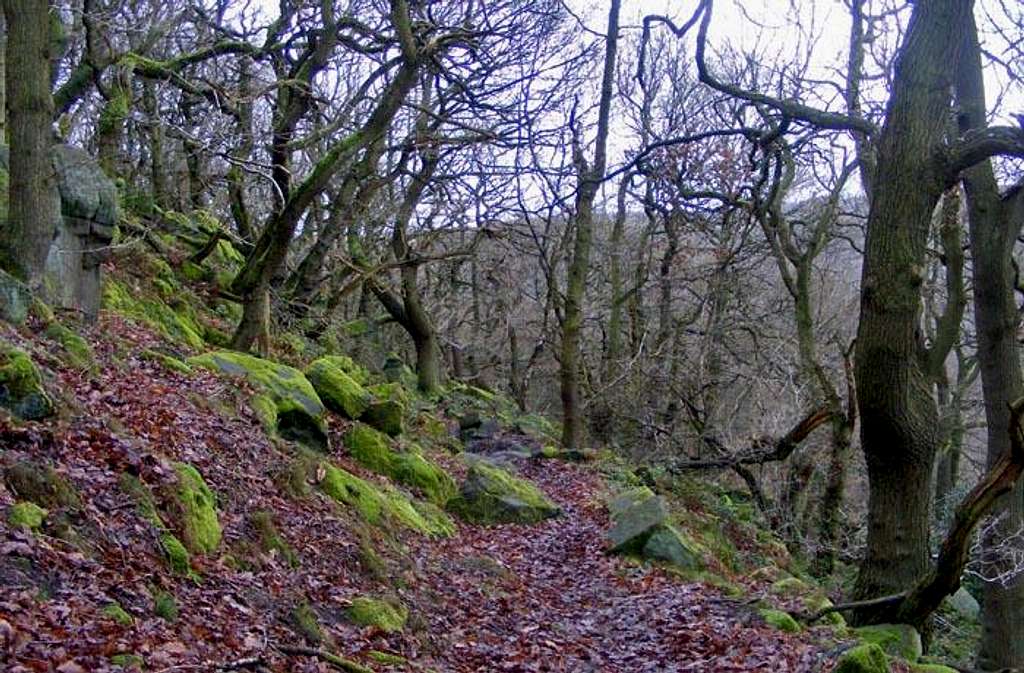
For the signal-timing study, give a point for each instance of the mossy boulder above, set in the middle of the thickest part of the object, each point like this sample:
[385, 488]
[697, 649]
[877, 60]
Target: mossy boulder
[641, 527]
[782, 621]
[790, 587]
[381, 505]
[896, 640]
[77, 351]
[387, 410]
[491, 495]
[339, 392]
[931, 668]
[372, 449]
[21, 386]
[396, 371]
[176, 554]
[42, 485]
[867, 658]
[197, 510]
[387, 616]
[289, 404]
[26, 515]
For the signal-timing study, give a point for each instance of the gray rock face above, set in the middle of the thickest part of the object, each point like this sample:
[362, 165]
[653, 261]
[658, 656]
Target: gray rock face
[964, 603]
[82, 241]
[15, 299]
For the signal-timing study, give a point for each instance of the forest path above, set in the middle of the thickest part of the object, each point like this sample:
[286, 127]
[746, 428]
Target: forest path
[547, 598]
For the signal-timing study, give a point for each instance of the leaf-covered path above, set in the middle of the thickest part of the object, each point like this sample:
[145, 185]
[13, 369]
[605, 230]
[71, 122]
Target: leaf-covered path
[547, 598]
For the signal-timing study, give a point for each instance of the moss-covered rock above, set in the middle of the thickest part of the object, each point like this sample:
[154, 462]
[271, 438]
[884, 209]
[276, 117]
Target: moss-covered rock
[21, 386]
[197, 510]
[77, 351]
[896, 640]
[289, 403]
[387, 410]
[783, 621]
[42, 485]
[178, 325]
[387, 658]
[491, 495]
[115, 612]
[668, 544]
[176, 554]
[790, 587]
[339, 392]
[641, 527]
[372, 449]
[387, 616]
[379, 505]
[931, 668]
[26, 515]
[867, 658]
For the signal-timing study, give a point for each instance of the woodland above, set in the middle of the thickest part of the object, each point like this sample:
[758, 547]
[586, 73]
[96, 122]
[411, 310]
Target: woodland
[511, 335]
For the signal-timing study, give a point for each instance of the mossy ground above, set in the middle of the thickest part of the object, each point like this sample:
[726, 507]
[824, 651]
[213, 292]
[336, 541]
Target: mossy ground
[388, 616]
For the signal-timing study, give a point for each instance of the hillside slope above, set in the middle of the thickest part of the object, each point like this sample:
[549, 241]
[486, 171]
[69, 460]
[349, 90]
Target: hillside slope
[195, 513]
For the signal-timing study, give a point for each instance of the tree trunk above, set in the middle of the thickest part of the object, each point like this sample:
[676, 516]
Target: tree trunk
[241, 153]
[34, 202]
[994, 226]
[899, 418]
[589, 182]
[157, 157]
[3, 80]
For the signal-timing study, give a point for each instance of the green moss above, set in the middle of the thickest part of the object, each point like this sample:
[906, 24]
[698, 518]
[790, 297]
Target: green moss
[387, 659]
[164, 606]
[26, 515]
[867, 658]
[491, 495]
[790, 586]
[377, 505]
[270, 539]
[193, 272]
[307, 624]
[783, 621]
[387, 410]
[385, 615]
[127, 660]
[298, 411]
[21, 386]
[416, 471]
[42, 485]
[198, 510]
[371, 562]
[168, 361]
[176, 553]
[339, 391]
[931, 668]
[372, 449]
[897, 640]
[77, 351]
[176, 325]
[115, 612]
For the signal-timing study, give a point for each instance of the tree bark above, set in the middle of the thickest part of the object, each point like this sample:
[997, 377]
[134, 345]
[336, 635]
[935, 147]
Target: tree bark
[894, 390]
[590, 178]
[34, 202]
[995, 224]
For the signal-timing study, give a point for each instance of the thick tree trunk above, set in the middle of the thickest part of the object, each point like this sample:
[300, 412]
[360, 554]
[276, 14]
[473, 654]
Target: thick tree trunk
[34, 202]
[241, 153]
[994, 225]
[3, 80]
[157, 156]
[899, 418]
